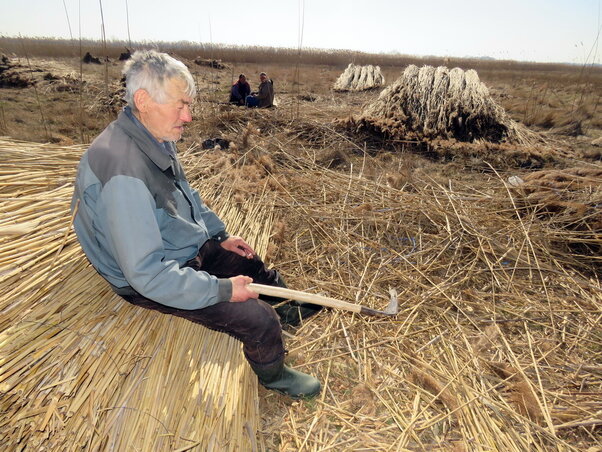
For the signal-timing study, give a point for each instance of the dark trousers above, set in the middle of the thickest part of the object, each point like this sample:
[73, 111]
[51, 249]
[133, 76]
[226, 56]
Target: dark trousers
[253, 322]
[252, 101]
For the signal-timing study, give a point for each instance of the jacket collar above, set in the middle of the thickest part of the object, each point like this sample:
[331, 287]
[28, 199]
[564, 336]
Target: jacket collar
[145, 141]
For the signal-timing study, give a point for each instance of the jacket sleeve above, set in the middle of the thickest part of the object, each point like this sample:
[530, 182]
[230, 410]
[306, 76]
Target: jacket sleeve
[135, 240]
[263, 91]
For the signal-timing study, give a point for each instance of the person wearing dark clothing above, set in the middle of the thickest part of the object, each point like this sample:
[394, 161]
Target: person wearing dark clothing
[264, 98]
[149, 234]
[240, 90]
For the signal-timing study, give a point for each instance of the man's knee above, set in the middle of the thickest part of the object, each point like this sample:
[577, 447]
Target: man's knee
[266, 319]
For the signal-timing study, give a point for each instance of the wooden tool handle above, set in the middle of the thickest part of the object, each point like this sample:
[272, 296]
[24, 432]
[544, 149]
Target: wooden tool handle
[304, 296]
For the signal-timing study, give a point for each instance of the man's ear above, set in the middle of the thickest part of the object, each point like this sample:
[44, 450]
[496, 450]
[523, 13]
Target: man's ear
[141, 100]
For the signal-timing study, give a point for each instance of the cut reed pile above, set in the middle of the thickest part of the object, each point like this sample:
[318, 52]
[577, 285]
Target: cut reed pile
[568, 202]
[82, 369]
[497, 346]
[359, 78]
[429, 102]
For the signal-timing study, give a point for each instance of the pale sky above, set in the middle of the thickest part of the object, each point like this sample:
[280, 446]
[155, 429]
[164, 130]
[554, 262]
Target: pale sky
[524, 30]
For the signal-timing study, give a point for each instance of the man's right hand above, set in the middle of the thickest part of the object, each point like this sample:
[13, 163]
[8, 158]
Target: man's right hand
[240, 289]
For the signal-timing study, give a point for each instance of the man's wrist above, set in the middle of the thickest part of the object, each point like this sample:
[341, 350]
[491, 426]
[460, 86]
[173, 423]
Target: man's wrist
[224, 289]
[220, 236]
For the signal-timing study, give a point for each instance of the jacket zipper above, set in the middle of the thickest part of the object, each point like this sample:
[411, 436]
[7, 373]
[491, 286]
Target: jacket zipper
[181, 190]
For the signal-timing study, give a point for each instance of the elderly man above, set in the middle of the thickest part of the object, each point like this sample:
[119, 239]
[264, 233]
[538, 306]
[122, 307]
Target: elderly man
[149, 234]
[264, 98]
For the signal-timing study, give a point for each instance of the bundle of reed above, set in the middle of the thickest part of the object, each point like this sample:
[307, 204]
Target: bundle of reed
[479, 289]
[80, 367]
[35, 191]
[359, 78]
[428, 102]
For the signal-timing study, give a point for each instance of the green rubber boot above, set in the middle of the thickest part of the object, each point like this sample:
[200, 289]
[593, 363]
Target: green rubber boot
[287, 381]
[293, 312]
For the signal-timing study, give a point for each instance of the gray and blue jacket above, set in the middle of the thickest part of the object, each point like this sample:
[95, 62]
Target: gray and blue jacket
[139, 221]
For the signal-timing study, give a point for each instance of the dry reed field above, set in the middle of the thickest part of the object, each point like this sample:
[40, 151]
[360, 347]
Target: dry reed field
[494, 247]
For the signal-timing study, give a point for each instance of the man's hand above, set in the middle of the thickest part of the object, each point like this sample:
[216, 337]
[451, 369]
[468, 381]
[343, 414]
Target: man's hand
[240, 290]
[238, 246]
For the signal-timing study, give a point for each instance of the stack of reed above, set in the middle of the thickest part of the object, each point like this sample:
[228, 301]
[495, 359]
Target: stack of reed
[81, 368]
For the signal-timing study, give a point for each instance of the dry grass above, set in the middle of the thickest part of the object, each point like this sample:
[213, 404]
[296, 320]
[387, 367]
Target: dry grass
[550, 96]
[568, 202]
[549, 99]
[497, 345]
[496, 335]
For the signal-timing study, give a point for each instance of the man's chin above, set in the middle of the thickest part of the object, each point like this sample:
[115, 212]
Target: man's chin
[177, 135]
[173, 137]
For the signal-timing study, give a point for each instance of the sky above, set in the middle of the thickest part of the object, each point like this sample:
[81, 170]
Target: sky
[523, 30]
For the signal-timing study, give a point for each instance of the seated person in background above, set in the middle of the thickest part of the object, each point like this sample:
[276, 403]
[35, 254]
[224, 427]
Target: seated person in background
[240, 90]
[264, 98]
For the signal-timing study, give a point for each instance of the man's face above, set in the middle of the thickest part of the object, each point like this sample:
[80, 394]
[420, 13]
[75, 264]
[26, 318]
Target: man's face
[263, 78]
[166, 121]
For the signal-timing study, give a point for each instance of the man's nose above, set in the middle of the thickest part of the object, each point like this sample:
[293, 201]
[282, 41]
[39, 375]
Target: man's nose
[186, 114]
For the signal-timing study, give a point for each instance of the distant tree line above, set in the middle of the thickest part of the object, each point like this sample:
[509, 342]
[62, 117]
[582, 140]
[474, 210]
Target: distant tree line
[53, 47]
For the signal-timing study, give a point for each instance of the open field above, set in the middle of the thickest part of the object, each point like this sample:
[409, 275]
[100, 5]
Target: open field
[498, 344]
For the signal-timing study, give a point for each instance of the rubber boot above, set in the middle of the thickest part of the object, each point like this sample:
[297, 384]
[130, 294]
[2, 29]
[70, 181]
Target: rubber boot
[285, 380]
[291, 313]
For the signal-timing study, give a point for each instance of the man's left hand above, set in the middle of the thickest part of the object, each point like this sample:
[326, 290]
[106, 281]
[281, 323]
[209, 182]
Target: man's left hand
[239, 246]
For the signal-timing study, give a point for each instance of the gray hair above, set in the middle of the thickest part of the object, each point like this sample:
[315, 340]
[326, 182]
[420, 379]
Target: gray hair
[149, 70]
